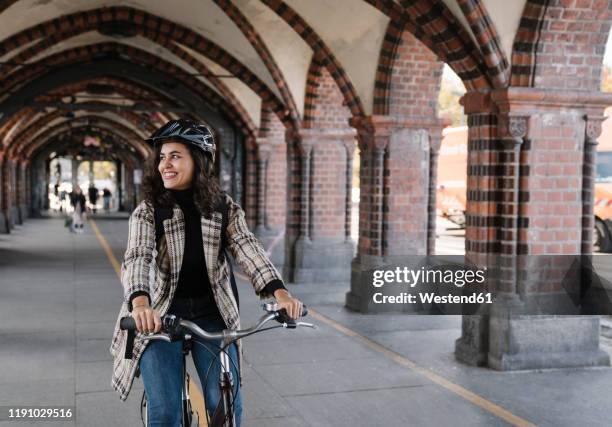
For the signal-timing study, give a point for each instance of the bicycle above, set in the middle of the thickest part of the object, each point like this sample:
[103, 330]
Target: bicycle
[175, 328]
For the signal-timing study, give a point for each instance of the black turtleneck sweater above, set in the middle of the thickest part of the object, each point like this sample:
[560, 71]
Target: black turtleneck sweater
[193, 278]
[193, 283]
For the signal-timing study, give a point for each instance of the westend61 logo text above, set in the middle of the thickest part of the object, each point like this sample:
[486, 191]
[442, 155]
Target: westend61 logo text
[423, 276]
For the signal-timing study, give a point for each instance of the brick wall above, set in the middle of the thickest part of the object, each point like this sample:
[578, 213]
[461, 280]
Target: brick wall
[415, 80]
[324, 107]
[551, 184]
[572, 44]
[329, 159]
[276, 198]
[273, 132]
[250, 184]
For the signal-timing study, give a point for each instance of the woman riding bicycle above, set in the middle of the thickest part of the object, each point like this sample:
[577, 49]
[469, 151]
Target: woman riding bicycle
[192, 278]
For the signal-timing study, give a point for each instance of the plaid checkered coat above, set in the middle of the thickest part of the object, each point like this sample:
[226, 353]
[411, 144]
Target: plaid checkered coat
[157, 271]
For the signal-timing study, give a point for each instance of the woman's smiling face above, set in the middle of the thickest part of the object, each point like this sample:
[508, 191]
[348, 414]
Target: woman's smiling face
[176, 166]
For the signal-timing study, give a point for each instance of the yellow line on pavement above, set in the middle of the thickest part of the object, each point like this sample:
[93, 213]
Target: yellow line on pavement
[109, 253]
[441, 381]
[197, 399]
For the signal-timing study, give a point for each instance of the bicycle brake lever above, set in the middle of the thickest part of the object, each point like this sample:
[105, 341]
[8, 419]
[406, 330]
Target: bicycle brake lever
[156, 337]
[308, 325]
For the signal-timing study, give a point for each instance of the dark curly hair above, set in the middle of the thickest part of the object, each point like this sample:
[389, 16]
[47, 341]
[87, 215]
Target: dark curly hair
[206, 191]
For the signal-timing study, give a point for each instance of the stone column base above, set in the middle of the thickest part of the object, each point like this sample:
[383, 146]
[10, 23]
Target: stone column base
[508, 339]
[473, 345]
[322, 260]
[15, 216]
[24, 212]
[361, 296]
[273, 242]
[518, 341]
[3, 224]
[10, 218]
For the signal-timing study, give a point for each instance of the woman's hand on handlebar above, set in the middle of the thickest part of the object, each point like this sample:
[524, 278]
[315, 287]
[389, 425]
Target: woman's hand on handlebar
[147, 319]
[292, 305]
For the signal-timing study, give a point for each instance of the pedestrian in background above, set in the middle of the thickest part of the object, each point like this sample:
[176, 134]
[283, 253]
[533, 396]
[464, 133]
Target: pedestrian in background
[77, 200]
[93, 197]
[106, 196]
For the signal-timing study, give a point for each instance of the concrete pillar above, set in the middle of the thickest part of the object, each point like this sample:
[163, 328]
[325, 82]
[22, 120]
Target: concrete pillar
[322, 251]
[526, 164]
[394, 201]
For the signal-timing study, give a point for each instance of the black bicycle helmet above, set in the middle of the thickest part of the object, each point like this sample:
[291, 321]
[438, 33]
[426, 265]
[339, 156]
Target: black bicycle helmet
[184, 130]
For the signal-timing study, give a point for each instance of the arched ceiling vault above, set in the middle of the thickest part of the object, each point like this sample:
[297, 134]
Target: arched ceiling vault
[41, 122]
[109, 128]
[242, 56]
[190, 95]
[63, 143]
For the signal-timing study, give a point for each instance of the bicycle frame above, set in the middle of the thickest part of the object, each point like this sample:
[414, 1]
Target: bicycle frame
[224, 414]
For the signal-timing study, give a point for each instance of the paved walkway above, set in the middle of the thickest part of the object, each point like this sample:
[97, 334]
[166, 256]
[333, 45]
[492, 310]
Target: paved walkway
[59, 296]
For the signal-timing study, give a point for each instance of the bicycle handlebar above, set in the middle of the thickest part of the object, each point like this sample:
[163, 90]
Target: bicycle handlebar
[171, 323]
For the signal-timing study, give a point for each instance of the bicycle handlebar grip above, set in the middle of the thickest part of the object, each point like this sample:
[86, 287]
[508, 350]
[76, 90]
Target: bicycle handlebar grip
[284, 317]
[127, 323]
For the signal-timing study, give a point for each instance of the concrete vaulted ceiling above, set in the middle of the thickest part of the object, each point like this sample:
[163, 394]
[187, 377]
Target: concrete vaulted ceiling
[274, 57]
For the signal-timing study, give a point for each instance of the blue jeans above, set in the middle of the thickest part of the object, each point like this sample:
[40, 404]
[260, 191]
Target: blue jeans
[161, 367]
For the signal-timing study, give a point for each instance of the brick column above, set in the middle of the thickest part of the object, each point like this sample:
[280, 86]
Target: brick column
[27, 180]
[23, 192]
[7, 191]
[263, 157]
[75, 172]
[322, 252]
[589, 172]
[250, 187]
[271, 168]
[129, 188]
[4, 228]
[393, 209]
[525, 180]
[15, 196]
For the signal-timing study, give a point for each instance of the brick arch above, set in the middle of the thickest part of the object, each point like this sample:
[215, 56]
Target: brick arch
[560, 44]
[83, 53]
[321, 53]
[126, 156]
[91, 19]
[324, 101]
[435, 27]
[260, 47]
[414, 83]
[12, 121]
[131, 89]
[35, 125]
[526, 43]
[5, 4]
[119, 129]
[155, 37]
[487, 37]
